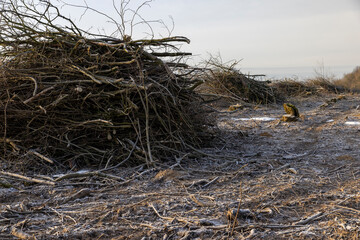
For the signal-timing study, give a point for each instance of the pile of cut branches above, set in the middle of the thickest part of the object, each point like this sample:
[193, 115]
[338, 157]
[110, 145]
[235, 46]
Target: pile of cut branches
[80, 98]
[229, 82]
[316, 86]
[293, 87]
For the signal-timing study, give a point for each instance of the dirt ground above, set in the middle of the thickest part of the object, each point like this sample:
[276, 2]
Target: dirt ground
[297, 180]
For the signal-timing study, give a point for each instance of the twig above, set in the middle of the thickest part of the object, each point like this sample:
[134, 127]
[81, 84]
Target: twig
[5, 118]
[35, 85]
[238, 171]
[61, 215]
[178, 161]
[86, 74]
[134, 146]
[145, 103]
[310, 219]
[348, 208]
[29, 179]
[237, 211]
[39, 94]
[338, 168]
[20, 234]
[272, 226]
[158, 214]
[167, 218]
[211, 182]
[282, 167]
[41, 156]
[80, 194]
[12, 144]
[86, 174]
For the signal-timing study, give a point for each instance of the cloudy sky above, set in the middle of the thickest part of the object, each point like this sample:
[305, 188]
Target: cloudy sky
[263, 33]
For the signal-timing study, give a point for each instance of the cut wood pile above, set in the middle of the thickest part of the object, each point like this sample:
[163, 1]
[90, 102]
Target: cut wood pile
[78, 98]
[229, 82]
[316, 86]
[290, 87]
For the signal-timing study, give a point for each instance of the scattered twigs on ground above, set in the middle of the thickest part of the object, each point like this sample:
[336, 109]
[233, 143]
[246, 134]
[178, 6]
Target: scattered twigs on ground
[80, 194]
[86, 174]
[307, 220]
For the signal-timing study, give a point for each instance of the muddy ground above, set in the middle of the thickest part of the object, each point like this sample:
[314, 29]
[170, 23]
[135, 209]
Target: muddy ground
[297, 180]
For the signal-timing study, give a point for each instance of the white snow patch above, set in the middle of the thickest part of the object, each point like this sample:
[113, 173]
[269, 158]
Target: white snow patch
[264, 119]
[352, 123]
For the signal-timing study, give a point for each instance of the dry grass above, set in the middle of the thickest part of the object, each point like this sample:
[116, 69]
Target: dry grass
[350, 80]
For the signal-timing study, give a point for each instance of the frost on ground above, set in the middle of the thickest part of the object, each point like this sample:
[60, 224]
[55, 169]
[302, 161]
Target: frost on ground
[261, 179]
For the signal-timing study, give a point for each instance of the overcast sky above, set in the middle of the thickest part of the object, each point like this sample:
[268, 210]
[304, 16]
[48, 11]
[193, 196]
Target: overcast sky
[264, 33]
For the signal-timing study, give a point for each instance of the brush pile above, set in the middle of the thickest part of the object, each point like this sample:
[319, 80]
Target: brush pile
[316, 86]
[229, 82]
[80, 98]
[292, 87]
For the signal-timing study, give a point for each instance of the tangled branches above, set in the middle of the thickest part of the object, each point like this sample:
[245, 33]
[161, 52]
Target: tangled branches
[226, 80]
[82, 98]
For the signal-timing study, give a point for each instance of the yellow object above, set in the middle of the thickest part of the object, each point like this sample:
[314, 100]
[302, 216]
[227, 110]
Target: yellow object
[289, 118]
[291, 109]
[235, 107]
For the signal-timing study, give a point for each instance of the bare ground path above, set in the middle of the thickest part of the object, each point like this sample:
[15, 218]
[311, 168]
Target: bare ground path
[295, 180]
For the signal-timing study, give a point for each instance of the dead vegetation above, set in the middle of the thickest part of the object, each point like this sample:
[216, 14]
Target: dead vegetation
[225, 80]
[292, 87]
[283, 181]
[86, 99]
[351, 80]
[123, 108]
[315, 86]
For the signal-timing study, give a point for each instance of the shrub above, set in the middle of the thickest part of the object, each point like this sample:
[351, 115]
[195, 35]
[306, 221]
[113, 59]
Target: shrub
[350, 80]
